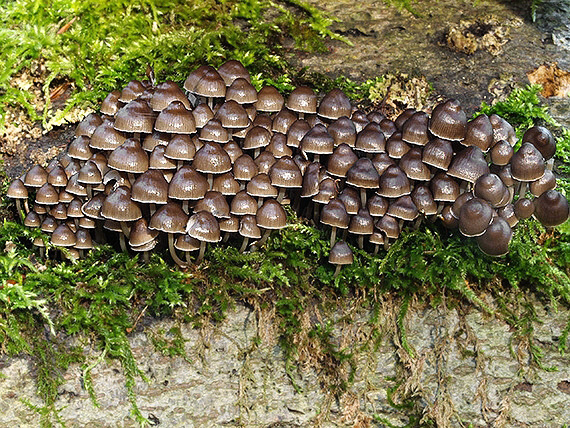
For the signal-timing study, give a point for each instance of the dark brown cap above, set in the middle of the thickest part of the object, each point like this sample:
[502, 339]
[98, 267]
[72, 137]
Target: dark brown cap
[448, 121]
[341, 160]
[129, 157]
[169, 218]
[271, 215]
[215, 203]
[150, 187]
[88, 125]
[527, 164]
[175, 119]
[167, 92]
[475, 216]
[212, 159]
[415, 130]
[187, 184]
[334, 214]
[343, 130]
[501, 153]
[243, 204]
[119, 206]
[269, 100]
[241, 91]
[248, 227]
[363, 175]
[341, 254]
[232, 70]
[393, 183]
[551, 208]
[111, 103]
[106, 137]
[542, 139]
[469, 164]
[444, 188]
[334, 105]
[411, 163]
[136, 116]
[496, 238]
[303, 100]
[479, 132]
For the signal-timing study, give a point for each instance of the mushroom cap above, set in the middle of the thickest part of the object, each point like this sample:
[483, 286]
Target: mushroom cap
[150, 187]
[133, 90]
[111, 103]
[32, 220]
[226, 184]
[167, 92]
[382, 161]
[210, 85]
[230, 225]
[49, 224]
[311, 179]
[136, 116]
[17, 190]
[212, 159]
[496, 238]
[542, 139]
[187, 184]
[119, 206]
[106, 137]
[543, 184]
[341, 254]
[243, 204]
[215, 203]
[491, 188]
[232, 115]
[286, 173]
[186, 243]
[248, 227]
[202, 115]
[74, 187]
[393, 183]
[264, 161]
[448, 219]
[195, 76]
[278, 146]
[47, 195]
[342, 159]
[424, 200]
[502, 130]
[83, 239]
[551, 208]
[444, 188]
[387, 127]
[269, 100]
[334, 214]
[180, 147]
[448, 121]
[303, 100]
[469, 164]
[241, 91]
[524, 208]
[232, 70]
[343, 130]
[412, 165]
[403, 208]
[92, 208]
[129, 157]
[157, 138]
[244, 168]
[63, 236]
[501, 153]
[415, 129]
[256, 137]
[204, 227]
[438, 153]
[527, 164]
[455, 208]
[377, 205]
[176, 118]
[334, 105]
[362, 223]
[359, 120]
[296, 132]
[79, 148]
[89, 174]
[396, 147]
[389, 226]
[214, 131]
[59, 211]
[403, 117]
[157, 160]
[363, 175]
[169, 218]
[508, 213]
[475, 216]
[283, 120]
[479, 132]
[260, 186]
[317, 141]
[370, 140]
[271, 215]
[328, 189]
[88, 125]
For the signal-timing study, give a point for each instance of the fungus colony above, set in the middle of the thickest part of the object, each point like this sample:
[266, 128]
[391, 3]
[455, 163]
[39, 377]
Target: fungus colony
[218, 161]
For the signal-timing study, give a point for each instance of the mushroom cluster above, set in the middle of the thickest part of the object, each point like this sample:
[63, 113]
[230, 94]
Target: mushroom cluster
[217, 160]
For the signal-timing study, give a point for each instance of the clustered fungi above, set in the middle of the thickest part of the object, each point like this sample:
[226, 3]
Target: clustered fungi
[219, 161]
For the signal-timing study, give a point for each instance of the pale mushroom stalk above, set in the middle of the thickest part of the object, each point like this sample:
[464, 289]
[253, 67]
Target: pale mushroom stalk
[361, 242]
[244, 244]
[333, 236]
[337, 270]
[363, 196]
[523, 188]
[173, 254]
[132, 178]
[550, 164]
[202, 252]
[281, 194]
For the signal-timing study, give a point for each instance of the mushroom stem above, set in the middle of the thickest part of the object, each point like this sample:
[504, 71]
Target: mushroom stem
[89, 189]
[522, 190]
[361, 242]
[376, 247]
[333, 236]
[363, 196]
[281, 194]
[210, 181]
[172, 250]
[185, 206]
[125, 228]
[244, 244]
[264, 237]
[153, 208]
[256, 152]
[146, 257]
[19, 208]
[202, 252]
[187, 257]
[132, 178]
[337, 270]
[317, 158]
[550, 164]
[211, 103]
[122, 242]
[316, 212]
